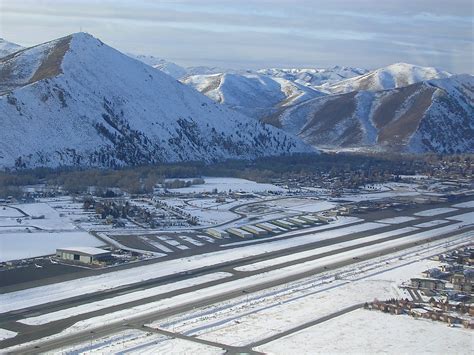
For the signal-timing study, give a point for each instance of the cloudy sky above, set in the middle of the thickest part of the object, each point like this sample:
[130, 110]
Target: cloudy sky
[260, 33]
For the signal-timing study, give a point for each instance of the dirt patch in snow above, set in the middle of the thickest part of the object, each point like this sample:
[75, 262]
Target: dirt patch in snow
[397, 132]
[51, 65]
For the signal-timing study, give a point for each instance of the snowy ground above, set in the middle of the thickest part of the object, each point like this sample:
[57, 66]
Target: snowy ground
[6, 211]
[6, 334]
[52, 219]
[122, 299]
[268, 313]
[140, 342]
[226, 184]
[396, 220]
[302, 205]
[265, 314]
[433, 223]
[469, 204]
[243, 321]
[360, 332]
[14, 246]
[435, 212]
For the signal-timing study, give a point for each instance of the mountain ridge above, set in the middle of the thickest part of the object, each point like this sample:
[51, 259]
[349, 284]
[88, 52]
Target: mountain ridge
[429, 116]
[114, 111]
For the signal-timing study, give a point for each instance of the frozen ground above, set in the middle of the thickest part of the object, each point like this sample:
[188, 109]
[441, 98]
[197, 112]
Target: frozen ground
[302, 205]
[396, 220]
[361, 332]
[6, 211]
[224, 184]
[135, 341]
[6, 334]
[122, 299]
[244, 321]
[23, 245]
[468, 204]
[377, 195]
[52, 219]
[259, 316]
[433, 223]
[58, 291]
[435, 212]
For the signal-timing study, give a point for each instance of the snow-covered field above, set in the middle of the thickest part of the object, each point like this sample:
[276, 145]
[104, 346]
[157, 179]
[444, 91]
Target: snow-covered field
[302, 205]
[122, 299]
[465, 217]
[314, 252]
[267, 313]
[52, 219]
[6, 211]
[377, 195]
[140, 342]
[226, 184]
[396, 220]
[433, 223]
[360, 332]
[468, 204]
[21, 245]
[6, 334]
[58, 291]
[435, 212]
[274, 312]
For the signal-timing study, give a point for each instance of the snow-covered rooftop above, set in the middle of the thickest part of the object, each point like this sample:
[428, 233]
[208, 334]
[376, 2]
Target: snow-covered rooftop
[85, 250]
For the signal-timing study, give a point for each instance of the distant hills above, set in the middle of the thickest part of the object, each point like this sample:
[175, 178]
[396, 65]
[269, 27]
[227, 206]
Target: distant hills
[252, 94]
[401, 107]
[75, 101]
[428, 116]
[7, 48]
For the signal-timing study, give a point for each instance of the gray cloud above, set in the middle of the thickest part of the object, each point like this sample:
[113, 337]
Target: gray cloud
[245, 33]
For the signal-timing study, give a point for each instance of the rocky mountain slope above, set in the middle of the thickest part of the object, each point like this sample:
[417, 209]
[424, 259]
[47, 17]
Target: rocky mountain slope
[78, 102]
[255, 95]
[390, 77]
[7, 48]
[429, 116]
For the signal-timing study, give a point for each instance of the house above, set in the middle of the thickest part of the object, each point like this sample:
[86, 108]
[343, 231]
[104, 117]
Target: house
[428, 283]
[468, 323]
[432, 273]
[462, 282]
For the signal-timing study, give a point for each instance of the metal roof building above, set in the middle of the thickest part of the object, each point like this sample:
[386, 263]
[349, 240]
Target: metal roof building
[88, 255]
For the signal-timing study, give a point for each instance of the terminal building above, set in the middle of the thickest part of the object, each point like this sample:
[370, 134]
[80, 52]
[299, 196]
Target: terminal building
[86, 255]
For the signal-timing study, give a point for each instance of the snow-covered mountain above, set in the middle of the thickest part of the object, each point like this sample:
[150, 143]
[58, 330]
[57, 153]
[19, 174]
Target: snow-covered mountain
[205, 70]
[165, 66]
[257, 96]
[314, 77]
[430, 116]
[7, 48]
[75, 101]
[390, 77]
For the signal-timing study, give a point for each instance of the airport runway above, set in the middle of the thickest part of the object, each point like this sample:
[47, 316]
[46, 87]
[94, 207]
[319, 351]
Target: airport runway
[29, 333]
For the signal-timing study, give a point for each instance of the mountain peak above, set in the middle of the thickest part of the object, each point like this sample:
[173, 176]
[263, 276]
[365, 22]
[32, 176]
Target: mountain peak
[75, 101]
[7, 47]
